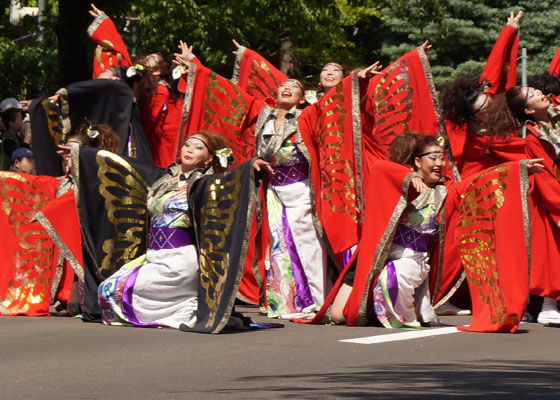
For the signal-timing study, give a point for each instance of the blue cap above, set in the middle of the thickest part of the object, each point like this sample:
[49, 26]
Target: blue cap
[21, 152]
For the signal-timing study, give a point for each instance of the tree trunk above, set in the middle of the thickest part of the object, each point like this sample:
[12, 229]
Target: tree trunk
[287, 58]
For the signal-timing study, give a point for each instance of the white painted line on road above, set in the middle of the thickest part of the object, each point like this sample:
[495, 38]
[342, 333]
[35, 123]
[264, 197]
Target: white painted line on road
[393, 337]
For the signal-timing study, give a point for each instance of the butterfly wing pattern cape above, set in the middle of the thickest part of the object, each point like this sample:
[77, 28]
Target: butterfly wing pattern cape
[403, 98]
[217, 104]
[111, 200]
[221, 206]
[485, 231]
[331, 132]
[258, 77]
[28, 256]
[46, 125]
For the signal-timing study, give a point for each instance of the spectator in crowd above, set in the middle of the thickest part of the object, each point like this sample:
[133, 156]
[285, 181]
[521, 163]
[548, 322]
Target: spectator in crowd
[22, 160]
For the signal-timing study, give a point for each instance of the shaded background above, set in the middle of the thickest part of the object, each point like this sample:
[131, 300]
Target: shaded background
[298, 36]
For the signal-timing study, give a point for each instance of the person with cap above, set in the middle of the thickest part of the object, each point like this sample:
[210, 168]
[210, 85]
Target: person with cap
[14, 135]
[22, 160]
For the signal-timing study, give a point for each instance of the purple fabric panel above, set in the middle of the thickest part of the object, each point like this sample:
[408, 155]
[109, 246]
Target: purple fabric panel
[346, 256]
[392, 284]
[411, 239]
[126, 299]
[287, 175]
[302, 285]
[170, 238]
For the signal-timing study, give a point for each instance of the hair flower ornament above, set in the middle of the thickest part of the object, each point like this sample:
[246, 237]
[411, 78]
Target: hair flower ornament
[178, 71]
[310, 96]
[441, 141]
[223, 156]
[92, 132]
[130, 72]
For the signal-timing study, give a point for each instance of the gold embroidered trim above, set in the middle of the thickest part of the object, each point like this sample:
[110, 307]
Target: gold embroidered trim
[440, 252]
[95, 24]
[237, 64]
[437, 109]
[524, 184]
[357, 138]
[64, 111]
[65, 253]
[57, 276]
[452, 290]
[186, 106]
[382, 250]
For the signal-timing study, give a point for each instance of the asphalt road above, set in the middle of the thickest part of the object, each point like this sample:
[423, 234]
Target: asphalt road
[64, 358]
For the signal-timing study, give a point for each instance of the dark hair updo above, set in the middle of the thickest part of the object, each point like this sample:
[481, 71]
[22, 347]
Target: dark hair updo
[409, 145]
[458, 99]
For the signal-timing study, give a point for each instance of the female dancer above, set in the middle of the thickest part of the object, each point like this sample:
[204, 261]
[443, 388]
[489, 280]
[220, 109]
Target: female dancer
[297, 281]
[529, 106]
[161, 287]
[407, 264]
[464, 105]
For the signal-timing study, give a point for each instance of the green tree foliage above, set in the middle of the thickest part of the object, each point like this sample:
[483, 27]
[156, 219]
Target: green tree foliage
[463, 32]
[319, 31]
[27, 65]
[353, 32]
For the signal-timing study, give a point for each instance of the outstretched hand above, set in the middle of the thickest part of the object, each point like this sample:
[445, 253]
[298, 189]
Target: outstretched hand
[63, 150]
[185, 50]
[373, 69]
[419, 185]
[237, 46]
[54, 98]
[426, 45]
[95, 12]
[534, 164]
[515, 21]
[261, 164]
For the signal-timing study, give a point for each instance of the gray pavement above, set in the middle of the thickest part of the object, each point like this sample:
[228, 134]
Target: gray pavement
[64, 358]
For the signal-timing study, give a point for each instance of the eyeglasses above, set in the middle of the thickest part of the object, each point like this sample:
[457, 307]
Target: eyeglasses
[482, 107]
[529, 93]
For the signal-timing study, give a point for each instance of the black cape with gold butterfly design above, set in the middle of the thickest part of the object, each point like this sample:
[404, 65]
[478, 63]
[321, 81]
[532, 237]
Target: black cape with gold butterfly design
[112, 196]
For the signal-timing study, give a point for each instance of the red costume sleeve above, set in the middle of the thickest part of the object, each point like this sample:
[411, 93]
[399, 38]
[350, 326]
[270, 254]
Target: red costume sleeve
[554, 67]
[27, 255]
[487, 233]
[482, 152]
[161, 119]
[500, 72]
[256, 75]
[217, 104]
[111, 50]
[403, 98]
[332, 136]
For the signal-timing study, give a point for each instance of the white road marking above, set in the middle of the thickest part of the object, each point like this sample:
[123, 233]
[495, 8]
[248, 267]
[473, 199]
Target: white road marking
[393, 337]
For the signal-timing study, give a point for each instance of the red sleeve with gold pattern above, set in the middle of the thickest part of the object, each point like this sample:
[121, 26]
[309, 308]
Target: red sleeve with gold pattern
[487, 234]
[500, 72]
[111, 50]
[332, 136]
[217, 104]
[27, 255]
[401, 99]
[256, 75]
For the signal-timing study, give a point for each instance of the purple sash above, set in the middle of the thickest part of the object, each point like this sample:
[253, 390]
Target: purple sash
[411, 239]
[286, 175]
[170, 238]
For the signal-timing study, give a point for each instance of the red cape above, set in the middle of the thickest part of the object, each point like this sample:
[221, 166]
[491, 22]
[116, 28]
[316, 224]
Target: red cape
[27, 255]
[111, 50]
